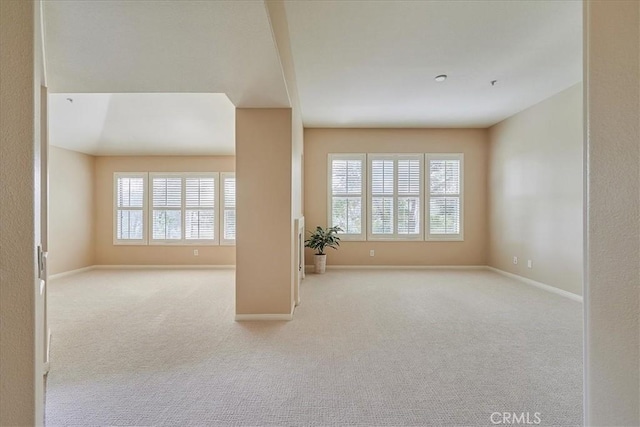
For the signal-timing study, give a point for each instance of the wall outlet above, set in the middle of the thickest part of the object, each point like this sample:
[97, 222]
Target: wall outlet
[515, 259]
[195, 252]
[372, 252]
[530, 264]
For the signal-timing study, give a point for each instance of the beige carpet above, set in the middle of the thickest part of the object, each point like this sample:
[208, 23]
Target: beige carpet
[366, 348]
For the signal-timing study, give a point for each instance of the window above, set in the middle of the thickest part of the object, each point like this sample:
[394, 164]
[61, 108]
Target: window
[445, 204]
[228, 208]
[130, 207]
[183, 208]
[200, 203]
[346, 195]
[166, 214]
[395, 188]
[174, 208]
[397, 196]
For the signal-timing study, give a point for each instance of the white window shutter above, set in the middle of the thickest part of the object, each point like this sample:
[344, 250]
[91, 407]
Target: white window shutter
[199, 216]
[183, 208]
[129, 194]
[409, 196]
[396, 196]
[228, 208]
[346, 174]
[166, 205]
[445, 196]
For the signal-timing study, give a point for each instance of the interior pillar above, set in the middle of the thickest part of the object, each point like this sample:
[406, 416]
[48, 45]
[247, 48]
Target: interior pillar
[264, 251]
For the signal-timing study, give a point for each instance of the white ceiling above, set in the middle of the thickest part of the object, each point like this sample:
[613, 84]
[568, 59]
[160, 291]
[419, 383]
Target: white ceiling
[147, 77]
[164, 46]
[143, 123]
[372, 64]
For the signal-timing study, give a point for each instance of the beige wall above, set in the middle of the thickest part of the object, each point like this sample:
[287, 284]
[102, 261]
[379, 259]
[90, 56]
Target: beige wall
[280, 28]
[264, 274]
[71, 210]
[106, 253]
[21, 304]
[612, 297]
[318, 143]
[535, 192]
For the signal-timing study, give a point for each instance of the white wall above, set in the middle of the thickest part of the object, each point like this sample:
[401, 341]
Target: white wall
[535, 192]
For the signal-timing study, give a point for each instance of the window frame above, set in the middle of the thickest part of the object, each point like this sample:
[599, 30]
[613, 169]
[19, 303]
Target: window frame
[353, 237]
[183, 241]
[395, 236]
[223, 208]
[425, 196]
[116, 208]
[459, 237]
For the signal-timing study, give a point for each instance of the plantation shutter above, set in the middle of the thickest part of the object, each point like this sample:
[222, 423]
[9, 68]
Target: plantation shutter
[229, 207]
[129, 207]
[346, 206]
[382, 200]
[166, 192]
[199, 217]
[396, 196]
[445, 191]
[409, 189]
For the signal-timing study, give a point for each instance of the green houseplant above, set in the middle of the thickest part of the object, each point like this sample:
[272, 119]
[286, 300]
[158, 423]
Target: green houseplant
[318, 241]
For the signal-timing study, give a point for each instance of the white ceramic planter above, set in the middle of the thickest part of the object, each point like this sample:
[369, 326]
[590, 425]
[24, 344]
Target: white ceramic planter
[319, 263]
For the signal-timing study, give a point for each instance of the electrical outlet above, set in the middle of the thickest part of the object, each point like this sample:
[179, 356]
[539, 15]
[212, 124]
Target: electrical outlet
[530, 264]
[195, 252]
[372, 252]
[515, 259]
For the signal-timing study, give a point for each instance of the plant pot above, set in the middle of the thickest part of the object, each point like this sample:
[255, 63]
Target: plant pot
[319, 263]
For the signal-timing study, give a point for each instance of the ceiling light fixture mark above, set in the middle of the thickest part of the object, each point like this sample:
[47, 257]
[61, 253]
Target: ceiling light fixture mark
[441, 78]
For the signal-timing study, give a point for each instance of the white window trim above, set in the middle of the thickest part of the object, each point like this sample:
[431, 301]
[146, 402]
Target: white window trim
[223, 208]
[443, 237]
[395, 237]
[183, 241]
[145, 198]
[362, 237]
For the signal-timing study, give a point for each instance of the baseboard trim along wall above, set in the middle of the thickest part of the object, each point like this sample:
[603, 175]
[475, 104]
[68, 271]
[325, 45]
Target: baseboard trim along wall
[538, 285]
[309, 267]
[165, 267]
[252, 317]
[70, 272]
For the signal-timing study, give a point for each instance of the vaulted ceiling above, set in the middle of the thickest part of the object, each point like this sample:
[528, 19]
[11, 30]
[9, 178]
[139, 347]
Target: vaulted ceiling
[357, 64]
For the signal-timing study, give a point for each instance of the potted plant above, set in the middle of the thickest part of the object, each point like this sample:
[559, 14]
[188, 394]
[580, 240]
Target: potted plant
[318, 241]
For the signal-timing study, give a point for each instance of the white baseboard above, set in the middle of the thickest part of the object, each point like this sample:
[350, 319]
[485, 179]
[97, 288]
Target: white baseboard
[70, 272]
[251, 317]
[538, 285]
[164, 267]
[399, 267]
[267, 316]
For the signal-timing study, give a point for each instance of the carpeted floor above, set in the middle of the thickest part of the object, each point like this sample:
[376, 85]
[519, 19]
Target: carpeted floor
[366, 348]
